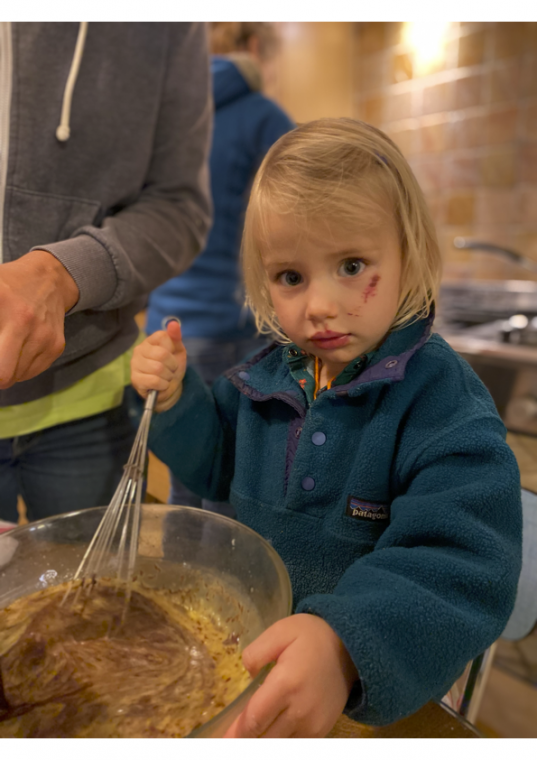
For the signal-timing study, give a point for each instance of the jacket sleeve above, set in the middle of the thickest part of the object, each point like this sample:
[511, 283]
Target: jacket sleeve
[158, 236]
[440, 584]
[196, 437]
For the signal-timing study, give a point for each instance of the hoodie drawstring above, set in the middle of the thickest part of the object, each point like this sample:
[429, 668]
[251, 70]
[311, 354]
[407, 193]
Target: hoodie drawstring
[64, 131]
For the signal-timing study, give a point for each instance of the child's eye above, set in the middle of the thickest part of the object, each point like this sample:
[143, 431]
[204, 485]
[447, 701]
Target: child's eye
[290, 278]
[351, 267]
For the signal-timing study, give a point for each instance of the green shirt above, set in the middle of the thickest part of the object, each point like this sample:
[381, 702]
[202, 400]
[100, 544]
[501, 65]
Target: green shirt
[96, 393]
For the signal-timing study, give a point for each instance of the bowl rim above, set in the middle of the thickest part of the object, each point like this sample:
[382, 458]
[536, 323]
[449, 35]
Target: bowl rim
[278, 561]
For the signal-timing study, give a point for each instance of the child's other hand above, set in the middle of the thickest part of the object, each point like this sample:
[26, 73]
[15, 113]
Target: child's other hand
[159, 363]
[306, 691]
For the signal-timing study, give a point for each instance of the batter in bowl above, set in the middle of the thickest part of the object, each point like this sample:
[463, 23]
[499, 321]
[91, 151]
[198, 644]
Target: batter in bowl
[77, 672]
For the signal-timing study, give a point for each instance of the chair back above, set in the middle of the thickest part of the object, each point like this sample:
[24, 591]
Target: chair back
[524, 616]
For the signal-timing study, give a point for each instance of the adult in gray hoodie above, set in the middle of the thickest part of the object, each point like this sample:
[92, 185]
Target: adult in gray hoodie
[104, 136]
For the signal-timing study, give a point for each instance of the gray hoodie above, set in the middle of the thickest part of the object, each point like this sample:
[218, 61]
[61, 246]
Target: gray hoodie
[124, 202]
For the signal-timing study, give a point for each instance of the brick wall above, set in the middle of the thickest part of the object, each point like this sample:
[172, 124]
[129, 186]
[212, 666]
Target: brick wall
[468, 127]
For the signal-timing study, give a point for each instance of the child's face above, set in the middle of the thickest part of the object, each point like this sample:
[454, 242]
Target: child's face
[335, 291]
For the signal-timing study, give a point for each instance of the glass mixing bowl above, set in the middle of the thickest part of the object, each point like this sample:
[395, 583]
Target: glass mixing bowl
[236, 572]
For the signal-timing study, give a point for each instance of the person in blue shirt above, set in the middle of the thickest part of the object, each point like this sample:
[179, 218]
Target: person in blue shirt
[209, 299]
[359, 443]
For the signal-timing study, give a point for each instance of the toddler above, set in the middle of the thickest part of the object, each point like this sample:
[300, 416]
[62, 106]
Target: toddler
[359, 443]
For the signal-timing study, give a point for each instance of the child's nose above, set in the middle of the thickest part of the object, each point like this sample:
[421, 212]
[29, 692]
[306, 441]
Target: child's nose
[321, 304]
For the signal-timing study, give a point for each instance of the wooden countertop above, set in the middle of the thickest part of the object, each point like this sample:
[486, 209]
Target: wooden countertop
[434, 721]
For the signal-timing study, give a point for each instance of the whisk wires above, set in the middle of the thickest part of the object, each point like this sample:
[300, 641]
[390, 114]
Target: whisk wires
[120, 524]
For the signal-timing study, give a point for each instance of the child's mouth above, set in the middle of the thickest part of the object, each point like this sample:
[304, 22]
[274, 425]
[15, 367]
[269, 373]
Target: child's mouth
[327, 340]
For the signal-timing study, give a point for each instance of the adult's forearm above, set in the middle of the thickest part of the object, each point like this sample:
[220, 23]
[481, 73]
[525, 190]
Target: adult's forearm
[47, 266]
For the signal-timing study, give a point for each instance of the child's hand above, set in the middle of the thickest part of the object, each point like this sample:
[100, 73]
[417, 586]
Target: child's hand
[159, 363]
[306, 691]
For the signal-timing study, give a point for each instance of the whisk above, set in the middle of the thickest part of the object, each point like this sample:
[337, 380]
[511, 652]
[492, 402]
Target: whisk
[122, 518]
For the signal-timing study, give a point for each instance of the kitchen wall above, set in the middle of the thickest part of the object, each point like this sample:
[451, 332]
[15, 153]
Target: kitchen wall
[467, 122]
[313, 74]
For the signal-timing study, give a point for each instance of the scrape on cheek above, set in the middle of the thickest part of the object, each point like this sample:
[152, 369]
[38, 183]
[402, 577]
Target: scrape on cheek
[371, 289]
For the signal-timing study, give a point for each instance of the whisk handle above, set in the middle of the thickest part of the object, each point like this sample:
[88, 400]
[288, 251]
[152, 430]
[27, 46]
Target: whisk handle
[151, 401]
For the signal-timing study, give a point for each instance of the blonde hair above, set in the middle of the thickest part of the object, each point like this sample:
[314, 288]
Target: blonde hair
[342, 169]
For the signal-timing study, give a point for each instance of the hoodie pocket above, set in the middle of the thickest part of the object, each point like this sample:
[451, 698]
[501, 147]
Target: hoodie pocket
[35, 219]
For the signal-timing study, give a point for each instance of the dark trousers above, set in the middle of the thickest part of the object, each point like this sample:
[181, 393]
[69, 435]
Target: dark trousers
[67, 467]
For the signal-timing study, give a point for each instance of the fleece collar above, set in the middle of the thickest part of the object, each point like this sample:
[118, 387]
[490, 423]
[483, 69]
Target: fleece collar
[391, 359]
[267, 375]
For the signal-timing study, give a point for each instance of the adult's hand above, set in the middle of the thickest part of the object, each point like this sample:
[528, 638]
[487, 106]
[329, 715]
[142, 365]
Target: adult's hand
[35, 293]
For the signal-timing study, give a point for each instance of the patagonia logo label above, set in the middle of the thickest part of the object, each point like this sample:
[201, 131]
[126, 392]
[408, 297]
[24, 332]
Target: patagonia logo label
[367, 510]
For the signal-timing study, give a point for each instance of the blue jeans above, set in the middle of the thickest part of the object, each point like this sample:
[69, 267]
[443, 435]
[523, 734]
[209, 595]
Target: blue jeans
[67, 467]
[210, 358]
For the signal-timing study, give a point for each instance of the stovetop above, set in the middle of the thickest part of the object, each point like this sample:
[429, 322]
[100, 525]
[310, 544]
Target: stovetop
[474, 302]
[518, 330]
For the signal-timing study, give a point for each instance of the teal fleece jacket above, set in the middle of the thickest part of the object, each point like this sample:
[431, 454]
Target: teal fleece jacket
[393, 500]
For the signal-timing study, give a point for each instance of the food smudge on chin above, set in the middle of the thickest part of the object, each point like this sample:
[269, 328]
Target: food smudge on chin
[371, 288]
